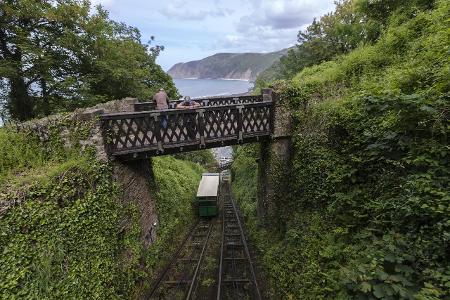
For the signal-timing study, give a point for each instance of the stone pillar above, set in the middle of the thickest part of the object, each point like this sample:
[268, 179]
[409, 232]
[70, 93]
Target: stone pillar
[136, 180]
[275, 162]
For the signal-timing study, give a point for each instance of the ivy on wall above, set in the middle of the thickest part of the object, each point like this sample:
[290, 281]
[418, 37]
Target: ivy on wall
[63, 231]
[367, 212]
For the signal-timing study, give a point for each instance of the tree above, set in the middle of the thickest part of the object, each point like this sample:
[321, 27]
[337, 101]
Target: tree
[333, 34]
[57, 55]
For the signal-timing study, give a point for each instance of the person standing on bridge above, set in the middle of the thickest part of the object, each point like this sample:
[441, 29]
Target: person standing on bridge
[162, 102]
[189, 123]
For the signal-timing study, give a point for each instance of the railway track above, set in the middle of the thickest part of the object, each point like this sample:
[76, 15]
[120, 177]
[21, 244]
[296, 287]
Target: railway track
[179, 280]
[237, 278]
[233, 273]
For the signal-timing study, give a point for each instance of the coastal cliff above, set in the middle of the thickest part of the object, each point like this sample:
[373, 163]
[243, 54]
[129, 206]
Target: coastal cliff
[242, 66]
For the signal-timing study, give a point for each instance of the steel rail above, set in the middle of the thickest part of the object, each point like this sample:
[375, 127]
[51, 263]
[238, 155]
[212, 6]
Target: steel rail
[230, 216]
[219, 284]
[247, 252]
[187, 271]
[173, 260]
[200, 259]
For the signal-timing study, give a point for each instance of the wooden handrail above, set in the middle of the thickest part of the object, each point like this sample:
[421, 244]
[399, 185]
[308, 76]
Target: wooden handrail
[176, 130]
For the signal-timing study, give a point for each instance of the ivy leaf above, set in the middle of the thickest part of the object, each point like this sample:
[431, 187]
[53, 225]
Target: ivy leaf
[378, 291]
[366, 287]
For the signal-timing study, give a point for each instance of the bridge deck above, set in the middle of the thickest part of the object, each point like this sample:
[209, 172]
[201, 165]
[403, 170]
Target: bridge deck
[137, 135]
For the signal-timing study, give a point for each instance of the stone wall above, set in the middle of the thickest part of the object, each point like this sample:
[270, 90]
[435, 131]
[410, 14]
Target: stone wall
[78, 128]
[275, 162]
[81, 130]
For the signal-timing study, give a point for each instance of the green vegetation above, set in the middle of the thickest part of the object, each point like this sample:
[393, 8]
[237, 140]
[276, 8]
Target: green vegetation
[354, 23]
[59, 219]
[244, 174]
[367, 213]
[18, 152]
[177, 182]
[202, 157]
[62, 229]
[65, 234]
[57, 56]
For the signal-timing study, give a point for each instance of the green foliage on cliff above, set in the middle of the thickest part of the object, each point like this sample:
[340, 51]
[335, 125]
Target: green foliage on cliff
[354, 23]
[18, 152]
[59, 235]
[244, 175]
[60, 222]
[176, 184]
[202, 157]
[226, 65]
[367, 213]
[63, 231]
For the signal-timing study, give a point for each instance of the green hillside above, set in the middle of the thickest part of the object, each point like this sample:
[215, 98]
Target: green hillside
[367, 214]
[226, 65]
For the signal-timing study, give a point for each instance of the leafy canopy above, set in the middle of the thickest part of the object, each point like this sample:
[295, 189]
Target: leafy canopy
[59, 55]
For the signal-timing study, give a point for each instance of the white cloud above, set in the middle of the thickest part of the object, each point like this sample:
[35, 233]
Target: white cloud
[185, 11]
[273, 24]
[105, 3]
[192, 29]
[280, 14]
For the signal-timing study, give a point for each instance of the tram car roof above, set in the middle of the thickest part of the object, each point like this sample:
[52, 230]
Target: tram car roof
[209, 185]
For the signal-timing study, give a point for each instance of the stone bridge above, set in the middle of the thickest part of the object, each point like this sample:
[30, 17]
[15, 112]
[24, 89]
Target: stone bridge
[218, 122]
[144, 132]
[126, 133]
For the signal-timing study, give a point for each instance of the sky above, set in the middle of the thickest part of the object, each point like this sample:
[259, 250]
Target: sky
[194, 29]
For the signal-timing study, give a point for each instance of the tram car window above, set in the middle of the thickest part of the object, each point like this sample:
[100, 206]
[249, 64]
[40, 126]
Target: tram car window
[208, 195]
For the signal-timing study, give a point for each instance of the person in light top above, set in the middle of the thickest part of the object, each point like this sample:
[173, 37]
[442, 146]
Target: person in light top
[189, 122]
[188, 103]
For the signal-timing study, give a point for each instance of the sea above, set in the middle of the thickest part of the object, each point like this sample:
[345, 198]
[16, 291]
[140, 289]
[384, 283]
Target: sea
[197, 88]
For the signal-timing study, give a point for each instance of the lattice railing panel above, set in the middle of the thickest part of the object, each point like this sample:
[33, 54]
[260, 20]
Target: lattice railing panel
[129, 132]
[220, 123]
[159, 130]
[181, 127]
[256, 119]
[217, 101]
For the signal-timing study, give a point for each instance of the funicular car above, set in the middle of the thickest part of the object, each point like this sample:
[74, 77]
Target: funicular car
[208, 195]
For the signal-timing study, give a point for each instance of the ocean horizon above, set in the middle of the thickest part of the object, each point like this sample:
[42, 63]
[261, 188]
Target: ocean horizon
[198, 88]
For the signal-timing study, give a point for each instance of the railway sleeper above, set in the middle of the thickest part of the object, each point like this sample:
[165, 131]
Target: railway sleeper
[234, 244]
[176, 282]
[236, 280]
[188, 259]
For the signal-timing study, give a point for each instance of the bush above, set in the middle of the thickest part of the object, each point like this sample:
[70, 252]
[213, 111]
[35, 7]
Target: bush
[19, 152]
[367, 210]
[176, 184]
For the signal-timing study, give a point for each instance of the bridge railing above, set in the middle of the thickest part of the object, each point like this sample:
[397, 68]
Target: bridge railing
[146, 106]
[143, 134]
